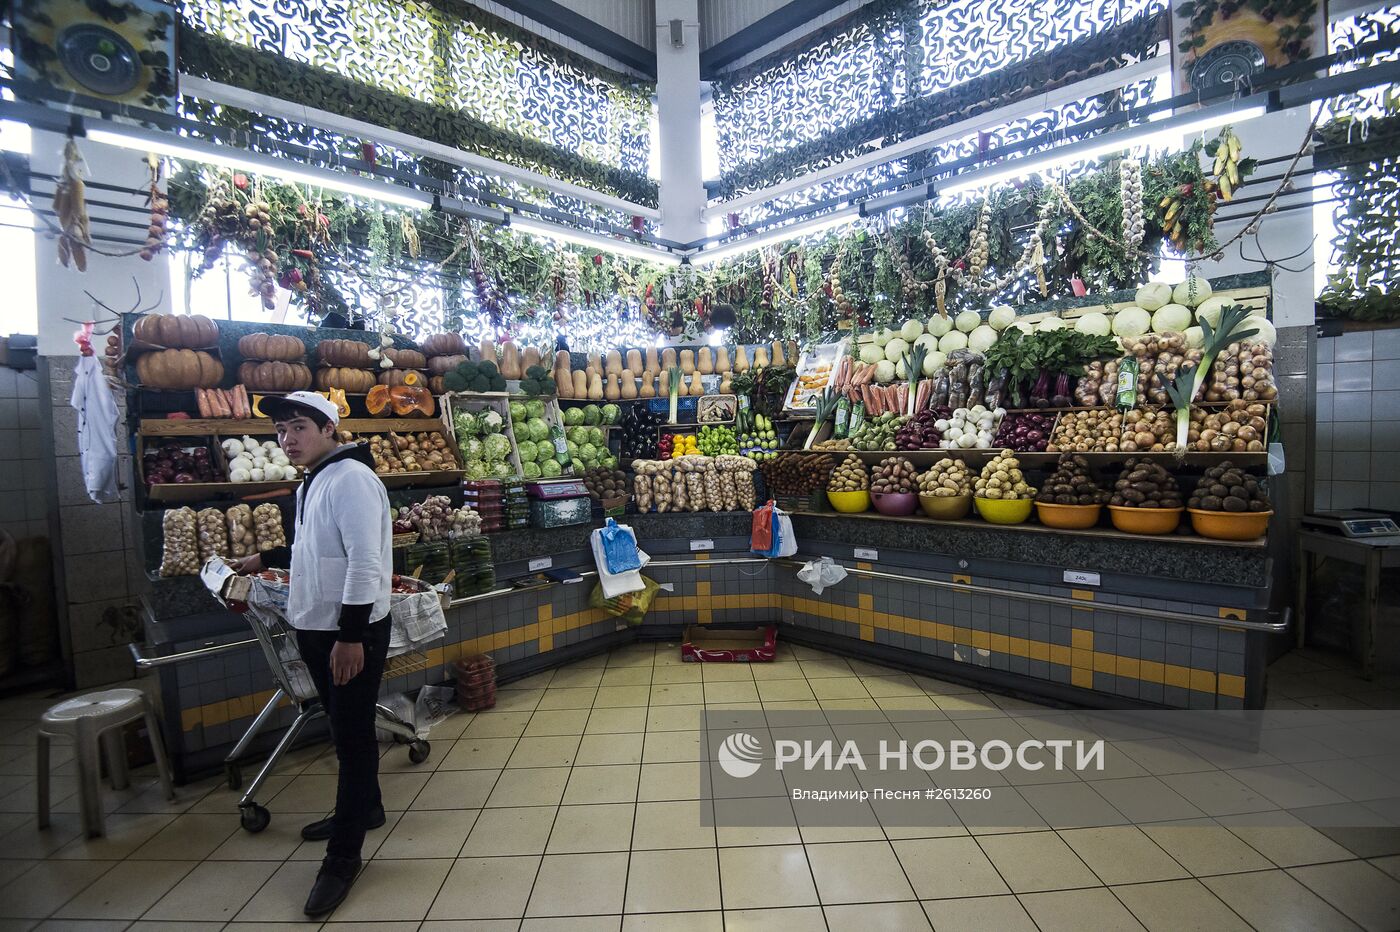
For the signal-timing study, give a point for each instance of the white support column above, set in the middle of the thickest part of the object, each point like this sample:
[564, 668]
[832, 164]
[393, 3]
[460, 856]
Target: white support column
[678, 112]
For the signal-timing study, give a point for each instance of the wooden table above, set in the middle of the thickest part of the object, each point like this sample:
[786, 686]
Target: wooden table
[1373, 555]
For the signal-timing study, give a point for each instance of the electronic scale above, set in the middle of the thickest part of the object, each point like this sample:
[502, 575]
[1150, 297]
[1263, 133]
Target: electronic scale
[1357, 523]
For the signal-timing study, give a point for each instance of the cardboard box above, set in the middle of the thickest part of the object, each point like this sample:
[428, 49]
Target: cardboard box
[704, 644]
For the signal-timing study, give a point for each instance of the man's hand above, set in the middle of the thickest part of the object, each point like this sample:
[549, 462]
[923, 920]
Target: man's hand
[249, 564]
[347, 660]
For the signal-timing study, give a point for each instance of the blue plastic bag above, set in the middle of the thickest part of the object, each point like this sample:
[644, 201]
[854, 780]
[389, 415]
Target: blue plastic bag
[620, 548]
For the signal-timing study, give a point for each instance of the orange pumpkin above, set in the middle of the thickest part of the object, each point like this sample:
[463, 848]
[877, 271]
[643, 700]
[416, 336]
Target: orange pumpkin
[406, 358]
[344, 353]
[355, 381]
[274, 376]
[441, 365]
[401, 377]
[176, 331]
[278, 347]
[378, 402]
[178, 369]
[411, 401]
[336, 397]
[436, 385]
[445, 344]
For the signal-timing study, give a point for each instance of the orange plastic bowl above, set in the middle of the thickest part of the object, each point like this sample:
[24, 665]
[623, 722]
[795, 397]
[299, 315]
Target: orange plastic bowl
[1068, 517]
[1230, 525]
[1145, 520]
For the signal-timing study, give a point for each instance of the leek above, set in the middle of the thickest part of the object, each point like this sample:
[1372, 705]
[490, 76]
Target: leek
[674, 374]
[1217, 338]
[914, 369]
[825, 406]
[1179, 390]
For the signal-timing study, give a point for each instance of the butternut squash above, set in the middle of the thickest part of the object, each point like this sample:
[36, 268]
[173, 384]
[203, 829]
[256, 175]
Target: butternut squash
[705, 365]
[634, 360]
[668, 358]
[653, 364]
[726, 386]
[510, 361]
[648, 389]
[487, 350]
[612, 389]
[614, 363]
[629, 384]
[595, 363]
[531, 357]
[563, 383]
[697, 387]
[688, 361]
[580, 379]
[792, 355]
[722, 359]
[663, 384]
[595, 387]
[760, 357]
[778, 359]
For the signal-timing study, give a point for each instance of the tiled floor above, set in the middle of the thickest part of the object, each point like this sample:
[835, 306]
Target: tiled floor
[575, 804]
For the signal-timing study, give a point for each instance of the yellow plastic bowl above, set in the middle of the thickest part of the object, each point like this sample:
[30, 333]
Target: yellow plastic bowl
[946, 507]
[1145, 520]
[1004, 510]
[1230, 525]
[1068, 517]
[849, 503]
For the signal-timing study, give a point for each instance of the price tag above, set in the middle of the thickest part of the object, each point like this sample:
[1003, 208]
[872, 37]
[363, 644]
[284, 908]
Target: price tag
[541, 563]
[1081, 578]
[865, 553]
[702, 545]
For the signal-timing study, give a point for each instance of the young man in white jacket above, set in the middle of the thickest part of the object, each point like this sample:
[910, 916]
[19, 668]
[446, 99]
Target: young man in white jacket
[341, 562]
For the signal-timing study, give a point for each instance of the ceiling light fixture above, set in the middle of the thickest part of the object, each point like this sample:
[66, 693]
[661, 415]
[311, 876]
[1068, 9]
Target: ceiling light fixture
[599, 241]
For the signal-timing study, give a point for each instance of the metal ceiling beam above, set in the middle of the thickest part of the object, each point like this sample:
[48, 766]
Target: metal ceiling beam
[582, 29]
[775, 25]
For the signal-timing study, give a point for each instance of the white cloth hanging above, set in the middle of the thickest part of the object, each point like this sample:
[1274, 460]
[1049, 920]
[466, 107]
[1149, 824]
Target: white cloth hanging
[97, 425]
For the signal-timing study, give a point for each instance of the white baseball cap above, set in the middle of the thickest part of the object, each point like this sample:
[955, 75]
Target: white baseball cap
[290, 405]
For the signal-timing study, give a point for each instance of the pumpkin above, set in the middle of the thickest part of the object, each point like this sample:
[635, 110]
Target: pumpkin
[402, 377]
[436, 385]
[406, 358]
[344, 353]
[274, 376]
[176, 331]
[377, 401]
[411, 401]
[355, 381]
[178, 369]
[441, 365]
[278, 347]
[336, 396]
[444, 344]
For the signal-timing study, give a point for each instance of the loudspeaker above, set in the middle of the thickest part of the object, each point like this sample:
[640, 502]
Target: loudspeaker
[121, 50]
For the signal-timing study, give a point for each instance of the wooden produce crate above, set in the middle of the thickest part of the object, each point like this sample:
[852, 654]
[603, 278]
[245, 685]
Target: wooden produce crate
[499, 402]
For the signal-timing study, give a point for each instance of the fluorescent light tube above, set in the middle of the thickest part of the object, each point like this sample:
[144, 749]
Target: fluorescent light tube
[179, 147]
[781, 234]
[592, 240]
[1144, 134]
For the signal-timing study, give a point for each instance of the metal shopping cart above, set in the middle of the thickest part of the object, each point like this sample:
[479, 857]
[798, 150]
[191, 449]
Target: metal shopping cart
[416, 613]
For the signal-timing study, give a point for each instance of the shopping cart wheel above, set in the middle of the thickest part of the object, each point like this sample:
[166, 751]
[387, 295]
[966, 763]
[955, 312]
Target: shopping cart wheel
[234, 775]
[255, 818]
[418, 751]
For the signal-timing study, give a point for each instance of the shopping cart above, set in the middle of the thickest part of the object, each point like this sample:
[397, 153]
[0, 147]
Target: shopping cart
[417, 618]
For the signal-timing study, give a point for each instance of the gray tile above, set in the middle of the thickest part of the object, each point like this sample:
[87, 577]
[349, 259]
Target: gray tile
[1324, 377]
[1385, 374]
[1353, 406]
[1351, 377]
[1350, 494]
[1350, 347]
[1385, 495]
[1325, 348]
[1354, 467]
[1385, 436]
[1352, 435]
[1385, 344]
[1385, 406]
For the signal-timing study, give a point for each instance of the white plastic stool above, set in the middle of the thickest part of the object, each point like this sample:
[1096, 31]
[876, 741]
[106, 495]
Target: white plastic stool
[88, 720]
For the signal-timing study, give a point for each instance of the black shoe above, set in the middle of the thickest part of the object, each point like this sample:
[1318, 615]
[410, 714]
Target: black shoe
[321, 830]
[333, 882]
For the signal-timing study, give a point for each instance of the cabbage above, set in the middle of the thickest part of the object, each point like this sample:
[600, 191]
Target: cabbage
[911, 330]
[1024, 326]
[608, 462]
[588, 453]
[1171, 318]
[939, 325]
[466, 423]
[595, 437]
[895, 349]
[491, 422]
[1131, 322]
[572, 447]
[530, 470]
[1048, 324]
[1209, 310]
[1001, 317]
[592, 414]
[1195, 337]
[517, 412]
[933, 361]
[476, 469]
[1193, 291]
[901, 371]
[611, 413]
[968, 321]
[883, 336]
[573, 417]
[550, 469]
[870, 354]
[1267, 332]
[497, 447]
[1154, 295]
[928, 341]
[981, 339]
[534, 407]
[544, 452]
[537, 429]
[884, 371]
[952, 340]
[526, 449]
[1093, 323]
[500, 471]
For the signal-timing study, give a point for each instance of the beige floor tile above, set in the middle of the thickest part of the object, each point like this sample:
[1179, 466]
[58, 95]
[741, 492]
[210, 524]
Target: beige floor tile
[726, 672]
[616, 721]
[676, 673]
[779, 669]
[282, 897]
[768, 876]
[567, 697]
[214, 890]
[390, 891]
[1122, 854]
[613, 697]
[579, 885]
[1275, 901]
[863, 709]
[677, 694]
[784, 691]
[1071, 805]
[124, 834]
[674, 922]
[126, 891]
[1078, 910]
[1367, 895]
[515, 831]
[541, 680]
[520, 700]
[12, 868]
[668, 782]
[789, 919]
[399, 790]
[907, 917]
[456, 789]
[670, 747]
[154, 925]
[1216, 793]
[577, 676]
[1285, 839]
[1031, 862]
[316, 850]
[948, 867]
[598, 827]
[1164, 755]
[609, 783]
[277, 842]
[1390, 864]
[891, 686]
[838, 687]
[190, 837]
[824, 669]
[1179, 906]
[675, 718]
[610, 749]
[792, 705]
[1204, 848]
[556, 722]
[572, 924]
[979, 913]
[626, 676]
[523, 786]
[498, 724]
[673, 880]
[730, 692]
[858, 872]
[428, 834]
[80, 925]
[47, 886]
[672, 825]
[1145, 799]
[478, 754]
[558, 751]
[762, 821]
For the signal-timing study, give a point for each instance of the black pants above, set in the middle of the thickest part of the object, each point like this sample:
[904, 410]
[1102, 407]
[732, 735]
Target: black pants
[350, 709]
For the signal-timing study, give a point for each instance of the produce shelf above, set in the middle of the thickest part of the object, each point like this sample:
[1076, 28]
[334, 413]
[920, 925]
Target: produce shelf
[929, 457]
[185, 492]
[1030, 527]
[181, 427]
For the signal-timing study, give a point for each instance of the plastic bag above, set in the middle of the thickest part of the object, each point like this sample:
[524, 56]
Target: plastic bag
[761, 533]
[996, 386]
[631, 607]
[620, 548]
[821, 574]
[941, 388]
[433, 706]
[974, 383]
